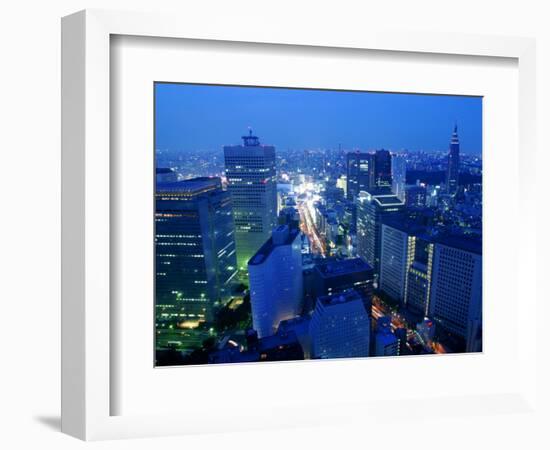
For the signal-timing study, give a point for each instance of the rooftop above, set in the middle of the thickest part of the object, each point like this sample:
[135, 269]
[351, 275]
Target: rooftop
[466, 243]
[193, 186]
[406, 225]
[283, 236]
[348, 296]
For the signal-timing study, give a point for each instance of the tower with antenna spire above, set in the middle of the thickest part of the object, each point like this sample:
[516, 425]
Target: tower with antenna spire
[251, 181]
[453, 164]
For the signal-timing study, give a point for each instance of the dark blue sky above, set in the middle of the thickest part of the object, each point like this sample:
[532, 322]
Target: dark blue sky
[197, 117]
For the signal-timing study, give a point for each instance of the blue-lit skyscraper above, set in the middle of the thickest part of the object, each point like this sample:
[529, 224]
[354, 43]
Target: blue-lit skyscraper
[251, 177]
[340, 327]
[372, 208]
[453, 164]
[195, 249]
[455, 299]
[276, 281]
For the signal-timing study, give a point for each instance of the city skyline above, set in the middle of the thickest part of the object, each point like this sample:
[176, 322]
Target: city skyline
[193, 118]
[270, 255]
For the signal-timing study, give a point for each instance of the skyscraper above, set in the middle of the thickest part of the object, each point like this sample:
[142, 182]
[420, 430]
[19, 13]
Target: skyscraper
[251, 177]
[333, 277]
[372, 208]
[453, 164]
[383, 165]
[195, 248]
[360, 173]
[276, 283]
[455, 301]
[340, 327]
[399, 175]
[406, 262]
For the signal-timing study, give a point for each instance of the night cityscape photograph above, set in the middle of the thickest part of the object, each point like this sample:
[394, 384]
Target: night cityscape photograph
[296, 224]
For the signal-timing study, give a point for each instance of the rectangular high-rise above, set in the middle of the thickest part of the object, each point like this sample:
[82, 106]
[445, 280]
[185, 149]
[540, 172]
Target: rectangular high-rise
[360, 173]
[399, 175]
[383, 169]
[276, 280]
[251, 180]
[403, 244]
[372, 208]
[340, 327]
[455, 299]
[195, 249]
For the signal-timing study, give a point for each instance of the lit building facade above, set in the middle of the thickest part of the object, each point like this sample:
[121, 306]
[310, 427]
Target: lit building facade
[276, 281]
[360, 173]
[251, 177]
[406, 263]
[456, 289]
[372, 208]
[340, 327]
[195, 249]
[399, 175]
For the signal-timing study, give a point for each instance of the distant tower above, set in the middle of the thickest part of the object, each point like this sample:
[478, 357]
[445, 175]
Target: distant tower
[251, 181]
[360, 174]
[453, 163]
[399, 175]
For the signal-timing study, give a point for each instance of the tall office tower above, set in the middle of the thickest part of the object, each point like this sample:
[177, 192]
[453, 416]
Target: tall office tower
[399, 175]
[340, 327]
[276, 283]
[333, 277]
[453, 164]
[455, 299]
[382, 165]
[372, 208]
[404, 249]
[418, 288]
[360, 173]
[385, 342]
[195, 248]
[251, 178]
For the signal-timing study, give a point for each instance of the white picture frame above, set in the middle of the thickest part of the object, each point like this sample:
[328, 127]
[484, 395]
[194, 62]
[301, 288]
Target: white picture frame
[87, 324]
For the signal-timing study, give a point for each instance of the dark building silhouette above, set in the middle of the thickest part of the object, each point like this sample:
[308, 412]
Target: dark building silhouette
[382, 166]
[337, 276]
[453, 164]
[360, 173]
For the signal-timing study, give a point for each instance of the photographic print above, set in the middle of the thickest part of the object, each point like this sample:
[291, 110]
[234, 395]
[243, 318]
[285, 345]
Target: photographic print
[296, 224]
